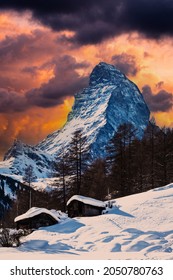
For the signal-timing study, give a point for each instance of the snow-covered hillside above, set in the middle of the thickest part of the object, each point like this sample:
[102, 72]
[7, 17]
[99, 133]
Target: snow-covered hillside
[136, 227]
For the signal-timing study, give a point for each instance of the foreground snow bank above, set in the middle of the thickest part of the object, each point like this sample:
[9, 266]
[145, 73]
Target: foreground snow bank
[136, 227]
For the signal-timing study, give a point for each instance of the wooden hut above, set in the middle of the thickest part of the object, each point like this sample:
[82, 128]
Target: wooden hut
[35, 218]
[81, 206]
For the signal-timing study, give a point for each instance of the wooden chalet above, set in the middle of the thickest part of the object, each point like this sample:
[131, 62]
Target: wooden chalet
[81, 206]
[35, 218]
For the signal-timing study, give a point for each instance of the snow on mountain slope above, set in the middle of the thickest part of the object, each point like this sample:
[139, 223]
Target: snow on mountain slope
[20, 155]
[136, 227]
[110, 100]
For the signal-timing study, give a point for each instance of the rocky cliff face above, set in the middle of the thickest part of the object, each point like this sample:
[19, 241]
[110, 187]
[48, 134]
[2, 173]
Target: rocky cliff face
[110, 100]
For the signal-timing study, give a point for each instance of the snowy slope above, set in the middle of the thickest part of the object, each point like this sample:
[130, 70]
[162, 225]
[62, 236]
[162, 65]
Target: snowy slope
[137, 227]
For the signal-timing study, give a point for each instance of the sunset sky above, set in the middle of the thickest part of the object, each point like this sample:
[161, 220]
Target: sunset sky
[48, 49]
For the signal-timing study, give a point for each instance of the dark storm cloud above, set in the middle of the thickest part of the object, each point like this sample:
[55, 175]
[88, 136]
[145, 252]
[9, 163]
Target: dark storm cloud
[20, 56]
[95, 20]
[11, 101]
[126, 63]
[33, 70]
[160, 102]
[14, 46]
[66, 82]
[51, 6]
[23, 47]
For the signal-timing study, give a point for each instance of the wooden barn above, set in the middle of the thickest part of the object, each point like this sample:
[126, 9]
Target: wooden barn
[81, 206]
[35, 218]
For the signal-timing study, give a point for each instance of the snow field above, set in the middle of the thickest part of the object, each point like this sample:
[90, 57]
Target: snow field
[136, 227]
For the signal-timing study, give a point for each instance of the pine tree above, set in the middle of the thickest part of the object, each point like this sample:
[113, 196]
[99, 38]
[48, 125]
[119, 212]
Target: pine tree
[94, 180]
[120, 159]
[150, 138]
[164, 155]
[62, 170]
[29, 177]
[77, 158]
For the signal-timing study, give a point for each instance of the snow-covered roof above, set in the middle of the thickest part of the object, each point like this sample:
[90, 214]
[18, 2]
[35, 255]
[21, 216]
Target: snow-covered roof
[87, 200]
[34, 211]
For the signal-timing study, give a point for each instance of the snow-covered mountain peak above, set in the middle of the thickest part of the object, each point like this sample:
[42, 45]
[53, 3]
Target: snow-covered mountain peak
[104, 73]
[17, 148]
[20, 155]
[109, 101]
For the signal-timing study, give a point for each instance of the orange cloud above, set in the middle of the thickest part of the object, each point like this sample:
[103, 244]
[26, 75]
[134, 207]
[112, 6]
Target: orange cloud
[16, 23]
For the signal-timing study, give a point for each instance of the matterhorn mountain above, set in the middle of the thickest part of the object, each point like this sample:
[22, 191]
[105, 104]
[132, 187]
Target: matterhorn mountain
[110, 99]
